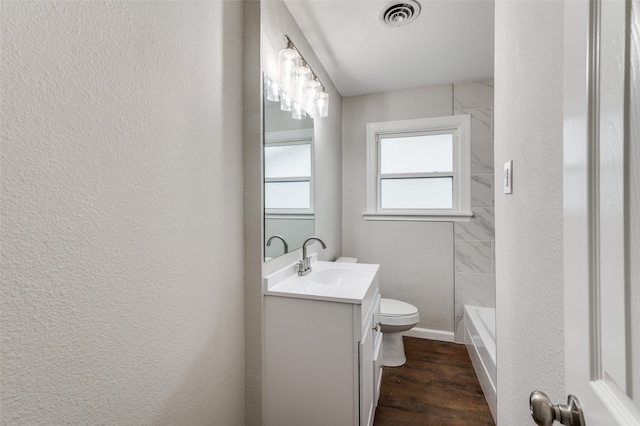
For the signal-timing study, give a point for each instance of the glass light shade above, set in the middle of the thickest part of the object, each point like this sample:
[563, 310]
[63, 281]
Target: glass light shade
[298, 113]
[302, 77]
[286, 103]
[273, 91]
[311, 92]
[323, 104]
[288, 61]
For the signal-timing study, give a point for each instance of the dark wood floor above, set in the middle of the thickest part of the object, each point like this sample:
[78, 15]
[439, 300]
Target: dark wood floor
[437, 386]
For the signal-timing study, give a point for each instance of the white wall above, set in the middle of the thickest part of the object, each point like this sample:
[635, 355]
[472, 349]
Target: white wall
[416, 258]
[122, 293]
[422, 260]
[529, 268]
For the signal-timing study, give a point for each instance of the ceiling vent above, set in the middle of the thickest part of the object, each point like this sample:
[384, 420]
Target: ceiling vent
[399, 13]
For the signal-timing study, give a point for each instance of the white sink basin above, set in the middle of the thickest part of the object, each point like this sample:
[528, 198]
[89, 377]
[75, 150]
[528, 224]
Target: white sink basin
[336, 282]
[334, 276]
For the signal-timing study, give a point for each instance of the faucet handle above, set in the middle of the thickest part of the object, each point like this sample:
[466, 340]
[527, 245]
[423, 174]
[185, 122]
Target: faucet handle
[303, 266]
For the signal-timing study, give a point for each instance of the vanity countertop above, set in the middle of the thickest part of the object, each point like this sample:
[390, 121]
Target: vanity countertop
[330, 281]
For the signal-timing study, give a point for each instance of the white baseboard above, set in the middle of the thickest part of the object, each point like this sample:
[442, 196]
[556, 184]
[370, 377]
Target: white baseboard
[427, 333]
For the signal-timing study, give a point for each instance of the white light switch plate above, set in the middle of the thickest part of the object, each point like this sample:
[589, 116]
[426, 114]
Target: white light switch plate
[508, 177]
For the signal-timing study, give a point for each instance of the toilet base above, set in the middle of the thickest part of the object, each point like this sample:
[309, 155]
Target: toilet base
[393, 350]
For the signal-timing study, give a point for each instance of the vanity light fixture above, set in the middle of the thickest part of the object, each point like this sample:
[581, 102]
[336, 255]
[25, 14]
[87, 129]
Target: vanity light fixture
[312, 95]
[302, 75]
[288, 60]
[286, 103]
[300, 90]
[323, 104]
[273, 91]
[298, 113]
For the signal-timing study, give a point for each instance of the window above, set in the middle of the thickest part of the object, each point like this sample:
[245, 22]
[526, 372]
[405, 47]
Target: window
[419, 169]
[288, 185]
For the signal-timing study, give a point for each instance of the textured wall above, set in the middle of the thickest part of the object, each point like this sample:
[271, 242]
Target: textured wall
[416, 258]
[122, 296]
[529, 261]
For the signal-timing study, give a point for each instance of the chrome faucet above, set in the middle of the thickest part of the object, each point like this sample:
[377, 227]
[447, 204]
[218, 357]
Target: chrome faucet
[304, 266]
[279, 237]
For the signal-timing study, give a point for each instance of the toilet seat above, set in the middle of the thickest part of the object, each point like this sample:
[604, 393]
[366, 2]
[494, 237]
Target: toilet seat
[397, 312]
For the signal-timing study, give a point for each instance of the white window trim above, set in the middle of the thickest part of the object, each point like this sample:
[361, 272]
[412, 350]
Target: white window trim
[292, 137]
[460, 125]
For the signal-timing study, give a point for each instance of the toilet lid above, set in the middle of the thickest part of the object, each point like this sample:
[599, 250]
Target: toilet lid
[392, 307]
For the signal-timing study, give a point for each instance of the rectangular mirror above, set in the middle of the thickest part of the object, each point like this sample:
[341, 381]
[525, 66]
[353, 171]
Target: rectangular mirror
[287, 173]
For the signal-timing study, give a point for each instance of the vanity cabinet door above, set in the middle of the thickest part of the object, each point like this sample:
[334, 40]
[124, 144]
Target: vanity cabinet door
[377, 353]
[311, 362]
[367, 400]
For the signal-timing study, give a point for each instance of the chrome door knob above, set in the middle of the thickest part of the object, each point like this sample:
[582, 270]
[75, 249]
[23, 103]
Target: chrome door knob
[544, 413]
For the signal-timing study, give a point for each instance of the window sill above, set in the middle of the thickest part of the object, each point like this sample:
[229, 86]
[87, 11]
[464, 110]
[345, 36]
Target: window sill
[418, 217]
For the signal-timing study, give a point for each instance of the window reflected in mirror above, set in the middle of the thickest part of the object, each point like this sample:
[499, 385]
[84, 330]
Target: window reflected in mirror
[288, 176]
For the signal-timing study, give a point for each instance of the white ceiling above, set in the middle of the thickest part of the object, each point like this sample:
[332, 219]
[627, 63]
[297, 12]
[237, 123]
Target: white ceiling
[451, 40]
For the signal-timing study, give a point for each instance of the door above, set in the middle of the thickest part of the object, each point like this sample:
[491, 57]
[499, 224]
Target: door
[601, 209]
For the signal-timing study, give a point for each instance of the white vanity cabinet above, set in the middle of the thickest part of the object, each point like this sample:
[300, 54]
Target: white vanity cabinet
[322, 359]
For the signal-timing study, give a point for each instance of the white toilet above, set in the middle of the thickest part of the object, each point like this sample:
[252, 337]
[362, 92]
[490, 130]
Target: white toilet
[395, 317]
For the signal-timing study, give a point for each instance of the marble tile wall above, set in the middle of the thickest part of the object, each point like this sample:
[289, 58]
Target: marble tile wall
[474, 241]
